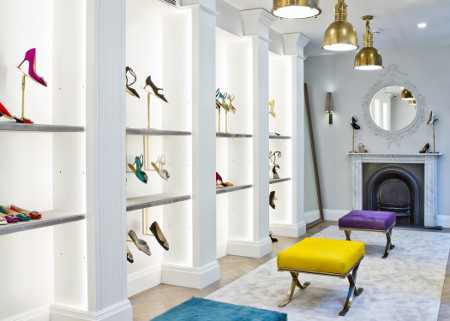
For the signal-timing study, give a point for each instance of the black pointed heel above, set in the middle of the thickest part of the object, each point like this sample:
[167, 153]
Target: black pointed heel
[149, 82]
[130, 90]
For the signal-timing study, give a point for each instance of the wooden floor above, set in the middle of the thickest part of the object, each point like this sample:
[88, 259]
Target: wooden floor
[153, 302]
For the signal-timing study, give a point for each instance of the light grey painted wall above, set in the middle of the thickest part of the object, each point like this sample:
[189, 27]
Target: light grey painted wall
[427, 68]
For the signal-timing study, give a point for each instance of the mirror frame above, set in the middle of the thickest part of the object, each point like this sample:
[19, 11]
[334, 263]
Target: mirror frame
[397, 135]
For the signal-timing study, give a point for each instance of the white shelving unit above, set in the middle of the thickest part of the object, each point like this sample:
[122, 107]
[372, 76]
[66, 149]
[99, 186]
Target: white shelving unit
[72, 163]
[44, 164]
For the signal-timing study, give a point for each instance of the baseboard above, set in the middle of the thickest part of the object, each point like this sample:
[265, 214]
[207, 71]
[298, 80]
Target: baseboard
[190, 277]
[221, 248]
[250, 248]
[334, 215]
[39, 314]
[443, 220]
[121, 311]
[288, 230]
[143, 280]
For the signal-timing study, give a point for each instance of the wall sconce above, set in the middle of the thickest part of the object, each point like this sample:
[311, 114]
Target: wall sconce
[329, 108]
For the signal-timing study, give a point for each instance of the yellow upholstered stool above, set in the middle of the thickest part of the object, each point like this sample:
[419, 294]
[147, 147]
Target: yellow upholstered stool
[325, 257]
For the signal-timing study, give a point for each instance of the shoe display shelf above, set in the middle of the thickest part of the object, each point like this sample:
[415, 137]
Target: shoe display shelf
[234, 143]
[281, 91]
[44, 163]
[159, 45]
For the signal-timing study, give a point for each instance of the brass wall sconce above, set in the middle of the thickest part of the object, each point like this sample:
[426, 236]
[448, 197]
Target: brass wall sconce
[296, 9]
[329, 108]
[368, 58]
[340, 34]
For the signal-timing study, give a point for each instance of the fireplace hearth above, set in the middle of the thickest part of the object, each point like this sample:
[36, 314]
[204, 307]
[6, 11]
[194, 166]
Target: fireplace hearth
[395, 188]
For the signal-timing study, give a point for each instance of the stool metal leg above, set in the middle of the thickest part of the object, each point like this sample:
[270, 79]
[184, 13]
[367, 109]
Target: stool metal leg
[347, 234]
[295, 282]
[389, 245]
[352, 290]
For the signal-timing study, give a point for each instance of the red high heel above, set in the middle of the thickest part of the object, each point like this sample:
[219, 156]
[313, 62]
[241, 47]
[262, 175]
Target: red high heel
[5, 113]
[220, 182]
[30, 56]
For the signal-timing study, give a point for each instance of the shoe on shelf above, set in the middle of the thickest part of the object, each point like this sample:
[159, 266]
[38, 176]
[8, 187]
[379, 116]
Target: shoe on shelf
[33, 215]
[158, 234]
[229, 103]
[272, 238]
[361, 148]
[138, 160]
[5, 113]
[272, 107]
[30, 56]
[272, 198]
[129, 256]
[432, 119]
[159, 167]
[425, 148]
[8, 218]
[156, 90]
[128, 87]
[220, 183]
[3, 221]
[354, 123]
[274, 171]
[140, 244]
[20, 216]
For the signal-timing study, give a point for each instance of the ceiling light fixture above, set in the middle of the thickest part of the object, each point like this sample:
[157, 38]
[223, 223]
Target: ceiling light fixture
[406, 95]
[368, 58]
[422, 25]
[296, 9]
[340, 35]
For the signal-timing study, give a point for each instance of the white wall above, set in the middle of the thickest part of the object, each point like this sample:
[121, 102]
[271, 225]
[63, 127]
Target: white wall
[426, 68]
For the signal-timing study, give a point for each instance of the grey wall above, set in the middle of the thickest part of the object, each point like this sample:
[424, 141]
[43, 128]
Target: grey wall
[426, 68]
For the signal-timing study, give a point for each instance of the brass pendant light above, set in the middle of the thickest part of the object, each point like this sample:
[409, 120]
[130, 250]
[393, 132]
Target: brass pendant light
[340, 35]
[296, 9]
[368, 58]
[406, 95]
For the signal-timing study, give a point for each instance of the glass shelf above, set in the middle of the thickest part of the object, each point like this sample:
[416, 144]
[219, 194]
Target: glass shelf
[231, 135]
[273, 181]
[156, 132]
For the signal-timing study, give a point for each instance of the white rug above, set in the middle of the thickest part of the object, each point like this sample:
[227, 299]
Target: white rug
[405, 286]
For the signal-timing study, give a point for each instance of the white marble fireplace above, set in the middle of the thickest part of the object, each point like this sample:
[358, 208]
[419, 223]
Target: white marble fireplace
[430, 162]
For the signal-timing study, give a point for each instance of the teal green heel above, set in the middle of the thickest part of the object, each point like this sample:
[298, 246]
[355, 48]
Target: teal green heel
[138, 160]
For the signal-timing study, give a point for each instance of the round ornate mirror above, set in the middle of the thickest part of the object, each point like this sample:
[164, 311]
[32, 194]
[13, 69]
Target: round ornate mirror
[393, 108]
[390, 116]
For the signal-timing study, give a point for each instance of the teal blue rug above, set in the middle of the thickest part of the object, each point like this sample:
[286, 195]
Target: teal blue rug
[207, 310]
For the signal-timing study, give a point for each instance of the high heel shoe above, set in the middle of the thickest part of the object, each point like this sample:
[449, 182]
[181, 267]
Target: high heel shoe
[158, 234]
[220, 183]
[130, 257]
[274, 171]
[361, 148]
[272, 198]
[425, 148]
[130, 90]
[354, 123]
[33, 214]
[149, 82]
[229, 103]
[140, 244]
[5, 113]
[221, 100]
[138, 160]
[432, 119]
[272, 238]
[30, 56]
[160, 170]
[218, 93]
[19, 216]
[272, 107]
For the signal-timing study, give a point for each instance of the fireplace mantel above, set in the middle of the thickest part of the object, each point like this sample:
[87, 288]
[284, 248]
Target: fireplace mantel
[430, 162]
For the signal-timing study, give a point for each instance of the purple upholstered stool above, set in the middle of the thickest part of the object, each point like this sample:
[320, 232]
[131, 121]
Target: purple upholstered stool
[371, 221]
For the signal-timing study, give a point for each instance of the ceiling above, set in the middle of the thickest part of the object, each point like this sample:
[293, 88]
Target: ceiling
[395, 19]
